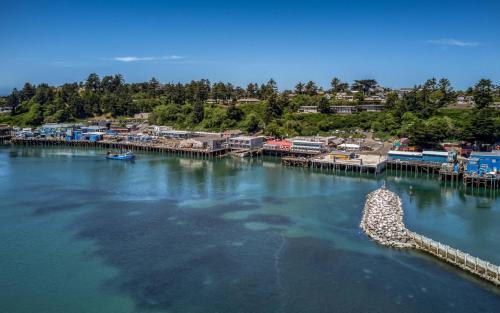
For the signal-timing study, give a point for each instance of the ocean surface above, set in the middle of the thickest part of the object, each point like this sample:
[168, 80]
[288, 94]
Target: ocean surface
[79, 233]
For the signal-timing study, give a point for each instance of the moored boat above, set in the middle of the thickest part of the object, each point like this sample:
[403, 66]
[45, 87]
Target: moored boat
[128, 156]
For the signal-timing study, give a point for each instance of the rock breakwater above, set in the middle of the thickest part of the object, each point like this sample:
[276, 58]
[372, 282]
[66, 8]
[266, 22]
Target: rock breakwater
[383, 220]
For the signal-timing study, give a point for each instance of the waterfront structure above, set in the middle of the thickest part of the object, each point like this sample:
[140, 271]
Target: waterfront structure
[177, 134]
[349, 147]
[311, 144]
[246, 142]
[484, 162]
[205, 142]
[231, 133]
[5, 133]
[437, 156]
[275, 144]
[395, 155]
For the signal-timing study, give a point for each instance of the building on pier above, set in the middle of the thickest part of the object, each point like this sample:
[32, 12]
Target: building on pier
[484, 162]
[275, 144]
[438, 156]
[395, 155]
[205, 142]
[246, 142]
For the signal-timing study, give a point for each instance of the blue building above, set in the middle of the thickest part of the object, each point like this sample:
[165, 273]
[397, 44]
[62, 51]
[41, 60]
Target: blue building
[394, 155]
[483, 162]
[438, 156]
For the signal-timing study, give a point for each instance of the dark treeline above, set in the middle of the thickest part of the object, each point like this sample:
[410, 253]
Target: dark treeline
[420, 113]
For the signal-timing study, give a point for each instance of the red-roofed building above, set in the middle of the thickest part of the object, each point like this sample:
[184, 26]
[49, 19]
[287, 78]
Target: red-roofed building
[278, 145]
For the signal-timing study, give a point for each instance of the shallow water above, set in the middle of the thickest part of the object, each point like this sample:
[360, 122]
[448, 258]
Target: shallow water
[167, 234]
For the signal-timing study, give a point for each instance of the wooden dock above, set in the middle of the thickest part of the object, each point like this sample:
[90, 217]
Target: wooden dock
[106, 144]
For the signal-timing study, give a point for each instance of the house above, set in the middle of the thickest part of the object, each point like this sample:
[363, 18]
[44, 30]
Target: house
[343, 109]
[141, 116]
[248, 100]
[349, 147]
[308, 109]
[375, 99]
[402, 91]
[465, 100]
[343, 96]
[371, 107]
[275, 144]
[246, 142]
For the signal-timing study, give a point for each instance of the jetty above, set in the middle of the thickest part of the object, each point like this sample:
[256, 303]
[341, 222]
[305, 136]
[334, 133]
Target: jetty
[382, 221]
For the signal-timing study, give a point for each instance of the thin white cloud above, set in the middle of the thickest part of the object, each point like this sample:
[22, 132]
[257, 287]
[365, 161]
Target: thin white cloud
[138, 59]
[453, 42]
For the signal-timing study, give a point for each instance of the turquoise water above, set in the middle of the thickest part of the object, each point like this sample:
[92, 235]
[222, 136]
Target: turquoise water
[167, 234]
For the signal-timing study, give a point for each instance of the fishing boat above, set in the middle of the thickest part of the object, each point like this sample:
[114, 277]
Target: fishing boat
[127, 156]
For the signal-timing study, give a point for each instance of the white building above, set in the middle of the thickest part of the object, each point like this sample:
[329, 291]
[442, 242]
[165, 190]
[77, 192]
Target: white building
[311, 144]
[345, 97]
[246, 142]
[308, 109]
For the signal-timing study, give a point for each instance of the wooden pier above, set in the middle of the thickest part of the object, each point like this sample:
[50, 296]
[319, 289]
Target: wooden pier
[106, 144]
[288, 153]
[383, 222]
[296, 161]
[414, 166]
[476, 181]
[338, 165]
[349, 166]
[462, 260]
[5, 134]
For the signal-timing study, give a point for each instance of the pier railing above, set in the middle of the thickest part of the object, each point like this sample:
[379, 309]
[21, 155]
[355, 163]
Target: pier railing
[465, 261]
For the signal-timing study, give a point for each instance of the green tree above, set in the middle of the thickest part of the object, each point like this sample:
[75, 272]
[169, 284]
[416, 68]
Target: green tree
[198, 112]
[252, 123]
[483, 93]
[324, 106]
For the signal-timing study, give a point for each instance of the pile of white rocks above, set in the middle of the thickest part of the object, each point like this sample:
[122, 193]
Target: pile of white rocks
[383, 220]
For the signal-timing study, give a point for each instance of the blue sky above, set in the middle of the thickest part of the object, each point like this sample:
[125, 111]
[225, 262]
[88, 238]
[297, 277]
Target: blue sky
[399, 43]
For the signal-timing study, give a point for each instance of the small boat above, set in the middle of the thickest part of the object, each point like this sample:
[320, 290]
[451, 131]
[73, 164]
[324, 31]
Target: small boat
[128, 156]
